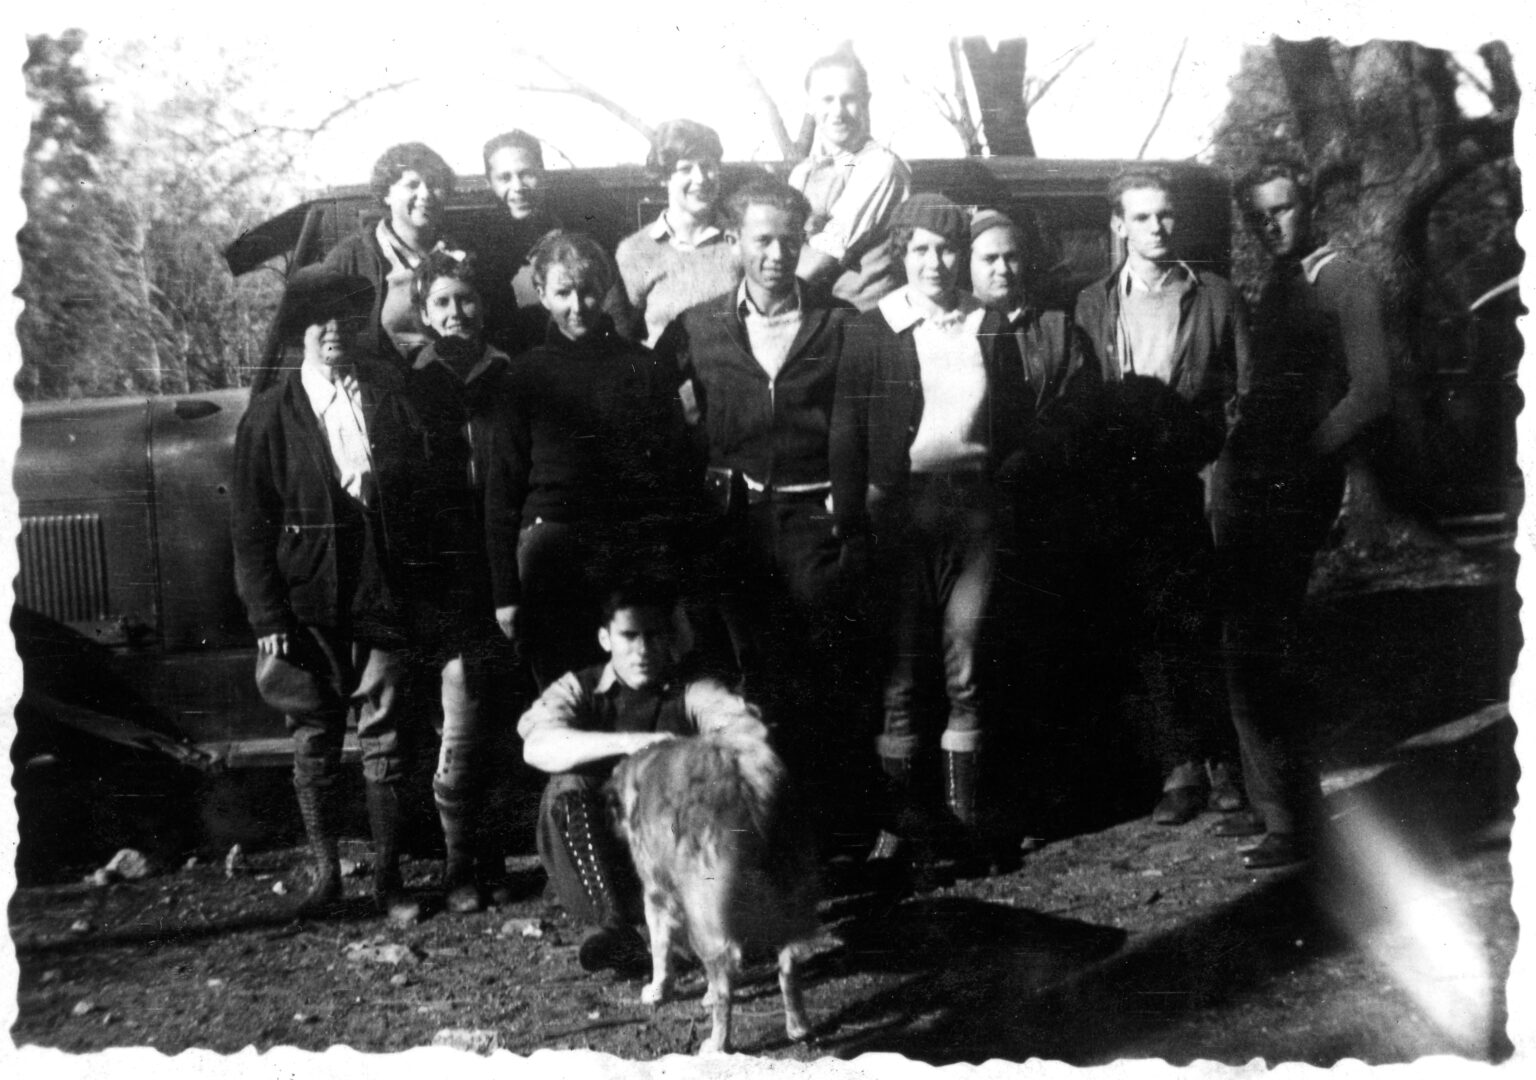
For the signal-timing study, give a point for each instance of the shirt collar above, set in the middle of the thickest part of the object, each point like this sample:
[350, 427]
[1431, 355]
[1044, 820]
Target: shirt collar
[745, 306]
[488, 358]
[1178, 271]
[902, 310]
[321, 390]
[1313, 264]
[661, 231]
[608, 682]
[841, 155]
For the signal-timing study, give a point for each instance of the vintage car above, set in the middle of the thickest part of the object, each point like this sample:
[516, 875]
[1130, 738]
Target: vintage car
[127, 621]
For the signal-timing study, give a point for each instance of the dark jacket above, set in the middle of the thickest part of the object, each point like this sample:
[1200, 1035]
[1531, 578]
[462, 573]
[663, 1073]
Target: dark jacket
[291, 562]
[774, 431]
[444, 523]
[591, 433]
[880, 404]
[1163, 434]
[1065, 393]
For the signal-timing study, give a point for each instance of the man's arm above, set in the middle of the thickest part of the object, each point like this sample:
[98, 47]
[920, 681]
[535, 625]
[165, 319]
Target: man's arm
[552, 741]
[256, 516]
[712, 707]
[874, 190]
[1354, 295]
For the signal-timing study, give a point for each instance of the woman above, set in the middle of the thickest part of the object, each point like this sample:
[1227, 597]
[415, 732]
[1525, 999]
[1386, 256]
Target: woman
[413, 184]
[587, 468]
[683, 258]
[929, 417]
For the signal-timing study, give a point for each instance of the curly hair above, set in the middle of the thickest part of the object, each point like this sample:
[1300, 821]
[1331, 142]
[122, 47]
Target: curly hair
[680, 140]
[436, 266]
[403, 157]
[578, 253]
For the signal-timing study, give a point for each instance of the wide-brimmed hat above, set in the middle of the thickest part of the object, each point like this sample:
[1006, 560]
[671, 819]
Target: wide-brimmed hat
[316, 295]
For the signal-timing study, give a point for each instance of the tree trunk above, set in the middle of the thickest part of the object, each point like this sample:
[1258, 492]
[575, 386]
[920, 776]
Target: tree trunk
[1384, 137]
[998, 76]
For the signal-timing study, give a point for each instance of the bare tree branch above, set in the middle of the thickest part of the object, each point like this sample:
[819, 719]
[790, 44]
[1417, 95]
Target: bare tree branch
[964, 123]
[1040, 86]
[788, 148]
[340, 110]
[577, 88]
[1168, 97]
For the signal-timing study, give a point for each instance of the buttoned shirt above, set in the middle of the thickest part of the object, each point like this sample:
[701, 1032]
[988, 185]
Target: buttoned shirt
[338, 405]
[852, 195]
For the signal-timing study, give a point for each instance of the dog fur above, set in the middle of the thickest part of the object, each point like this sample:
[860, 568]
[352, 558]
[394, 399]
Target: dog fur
[725, 863]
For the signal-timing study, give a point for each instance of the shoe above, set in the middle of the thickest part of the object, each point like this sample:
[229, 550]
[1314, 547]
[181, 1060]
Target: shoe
[1179, 805]
[1276, 850]
[1241, 823]
[617, 947]
[464, 899]
[1226, 793]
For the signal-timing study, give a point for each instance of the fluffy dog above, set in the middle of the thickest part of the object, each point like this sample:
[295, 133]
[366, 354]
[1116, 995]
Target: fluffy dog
[725, 862]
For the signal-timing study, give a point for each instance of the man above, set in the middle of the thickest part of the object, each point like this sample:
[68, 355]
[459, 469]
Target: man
[515, 174]
[759, 368]
[1318, 381]
[314, 486]
[1168, 340]
[853, 185]
[579, 729]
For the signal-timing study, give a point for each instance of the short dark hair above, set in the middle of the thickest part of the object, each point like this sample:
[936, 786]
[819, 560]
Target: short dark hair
[516, 139]
[1273, 169]
[575, 251]
[1136, 177]
[766, 191]
[643, 592]
[437, 265]
[845, 59]
[419, 157]
[679, 140]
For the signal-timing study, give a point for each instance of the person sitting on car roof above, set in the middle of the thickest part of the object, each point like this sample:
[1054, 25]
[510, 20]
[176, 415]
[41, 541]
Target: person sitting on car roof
[854, 186]
[315, 490]
[413, 182]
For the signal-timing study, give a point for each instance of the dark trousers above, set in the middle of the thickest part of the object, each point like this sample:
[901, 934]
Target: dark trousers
[587, 862]
[324, 677]
[1267, 532]
[1162, 566]
[944, 571]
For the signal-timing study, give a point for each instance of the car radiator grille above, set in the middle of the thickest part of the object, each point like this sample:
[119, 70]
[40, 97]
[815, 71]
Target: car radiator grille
[63, 567]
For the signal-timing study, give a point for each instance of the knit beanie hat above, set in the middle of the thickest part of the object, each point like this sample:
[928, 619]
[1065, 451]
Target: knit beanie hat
[935, 213]
[987, 220]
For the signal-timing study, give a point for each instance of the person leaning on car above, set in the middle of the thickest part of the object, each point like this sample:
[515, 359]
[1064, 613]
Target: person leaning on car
[311, 509]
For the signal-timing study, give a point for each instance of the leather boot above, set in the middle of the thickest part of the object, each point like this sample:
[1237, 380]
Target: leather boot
[961, 776]
[324, 895]
[594, 854]
[456, 812]
[891, 844]
[389, 893]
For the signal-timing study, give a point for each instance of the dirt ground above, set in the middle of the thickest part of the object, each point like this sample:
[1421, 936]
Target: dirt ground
[1114, 940]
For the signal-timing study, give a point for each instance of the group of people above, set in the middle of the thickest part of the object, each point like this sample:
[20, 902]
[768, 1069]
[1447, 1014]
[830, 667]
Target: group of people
[773, 461]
